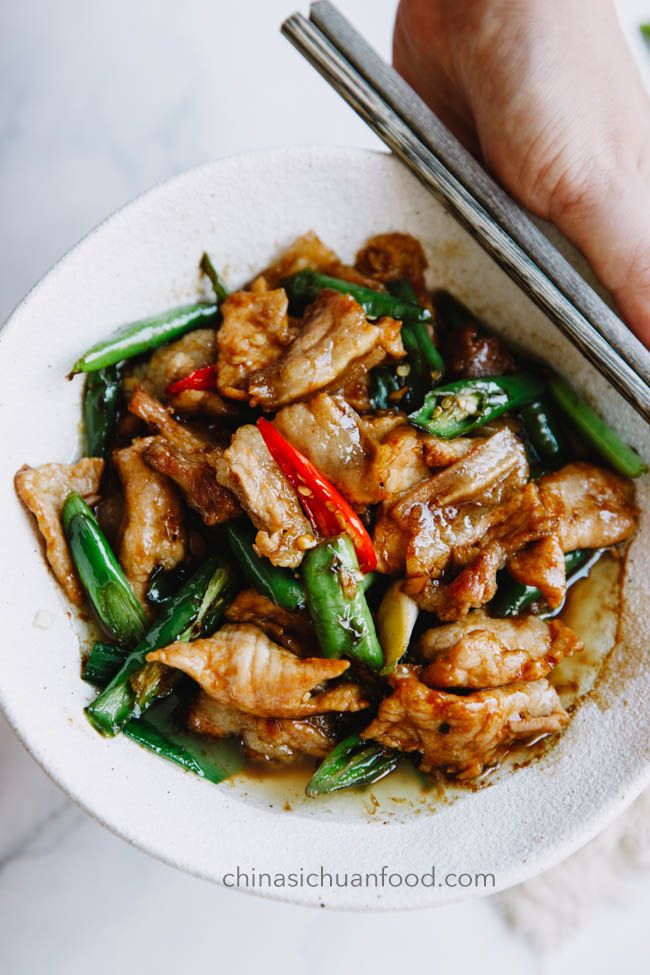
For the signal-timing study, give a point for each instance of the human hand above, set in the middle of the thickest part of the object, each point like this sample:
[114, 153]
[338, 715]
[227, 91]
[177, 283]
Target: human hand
[546, 93]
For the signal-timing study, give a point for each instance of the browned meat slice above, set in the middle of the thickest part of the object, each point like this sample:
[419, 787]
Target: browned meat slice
[248, 470]
[171, 362]
[462, 735]
[159, 417]
[329, 432]
[495, 535]
[43, 490]
[595, 507]
[493, 462]
[450, 509]
[187, 459]
[390, 542]
[480, 652]
[255, 331]
[174, 361]
[241, 667]
[389, 257]
[196, 476]
[190, 402]
[152, 532]
[292, 630]
[541, 565]
[336, 339]
[307, 251]
[404, 457]
[272, 739]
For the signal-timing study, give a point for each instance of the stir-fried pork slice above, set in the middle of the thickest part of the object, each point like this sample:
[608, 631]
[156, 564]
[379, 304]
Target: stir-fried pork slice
[336, 337]
[481, 652]
[175, 361]
[196, 476]
[329, 432]
[594, 507]
[159, 417]
[248, 470]
[255, 331]
[450, 508]
[495, 535]
[404, 457]
[541, 565]
[307, 251]
[152, 532]
[292, 630]
[390, 257]
[43, 491]
[241, 667]
[273, 739]
[187, 459]
[462, 735]
[494, 461]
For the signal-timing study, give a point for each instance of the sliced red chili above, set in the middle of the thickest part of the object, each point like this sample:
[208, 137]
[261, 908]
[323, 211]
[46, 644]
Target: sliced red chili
[203, 378]
[326, 508]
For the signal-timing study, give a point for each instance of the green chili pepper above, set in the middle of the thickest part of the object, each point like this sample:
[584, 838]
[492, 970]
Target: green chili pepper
[108, 589]
[211, 272]
[337, 604]
[103, 662]
[304, 287]
[544, 433]
[272, 581]
[598, 435]
[145, 335]
[352, 762]
[213, 761]
[164, 584]
[514, 597]
[183, 618]
[100, 407]
[383, 382]
[467, 404]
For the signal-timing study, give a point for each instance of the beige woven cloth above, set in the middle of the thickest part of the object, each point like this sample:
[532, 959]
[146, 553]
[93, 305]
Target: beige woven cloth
[545, 911]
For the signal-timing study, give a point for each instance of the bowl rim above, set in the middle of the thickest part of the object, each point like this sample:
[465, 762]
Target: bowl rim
[544, 855]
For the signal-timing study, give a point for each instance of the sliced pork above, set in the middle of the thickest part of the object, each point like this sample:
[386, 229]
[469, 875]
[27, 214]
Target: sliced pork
[43, 491]
[272, 739]
[335, 341]
[241, 667]
[463, 735]
[152, 532]
[480, 652]
[247, 469]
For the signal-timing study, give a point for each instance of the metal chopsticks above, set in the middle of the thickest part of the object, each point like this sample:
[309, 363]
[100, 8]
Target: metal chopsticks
[408, 127]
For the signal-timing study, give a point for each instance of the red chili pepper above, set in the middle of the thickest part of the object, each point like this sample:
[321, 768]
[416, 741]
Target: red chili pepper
[328, 511]
[203, 378]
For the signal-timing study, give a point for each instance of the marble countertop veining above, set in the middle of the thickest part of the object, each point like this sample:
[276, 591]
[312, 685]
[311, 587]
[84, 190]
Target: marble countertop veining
[98, 102]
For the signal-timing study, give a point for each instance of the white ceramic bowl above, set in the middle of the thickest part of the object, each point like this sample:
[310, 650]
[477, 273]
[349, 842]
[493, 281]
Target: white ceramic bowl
[143, 259]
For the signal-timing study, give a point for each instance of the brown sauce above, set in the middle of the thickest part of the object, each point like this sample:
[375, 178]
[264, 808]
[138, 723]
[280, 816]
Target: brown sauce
[592, 610]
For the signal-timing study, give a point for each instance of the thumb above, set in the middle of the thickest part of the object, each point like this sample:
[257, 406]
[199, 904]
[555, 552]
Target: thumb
[609, 221]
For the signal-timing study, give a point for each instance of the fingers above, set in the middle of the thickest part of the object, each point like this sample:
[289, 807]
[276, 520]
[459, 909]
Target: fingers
[609, 221]
[418, 63]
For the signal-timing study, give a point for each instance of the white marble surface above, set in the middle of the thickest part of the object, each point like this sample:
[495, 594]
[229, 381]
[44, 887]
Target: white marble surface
[97, 102]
